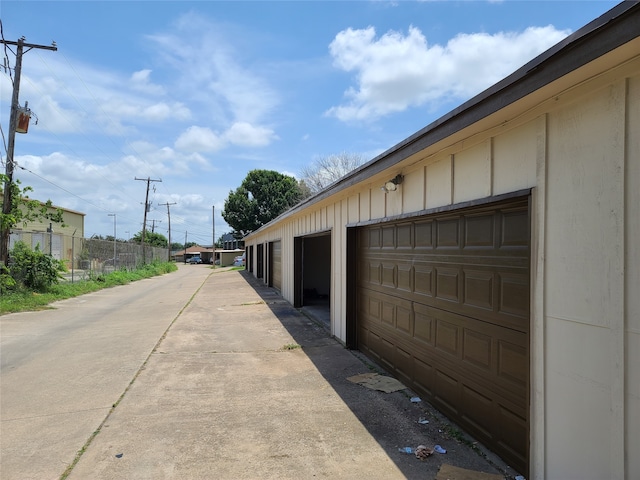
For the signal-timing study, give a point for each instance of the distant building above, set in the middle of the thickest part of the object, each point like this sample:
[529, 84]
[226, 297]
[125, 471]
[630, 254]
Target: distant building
[229, 242]
[56, 239]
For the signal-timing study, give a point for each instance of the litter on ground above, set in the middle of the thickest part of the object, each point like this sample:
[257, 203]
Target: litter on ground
[375, 381]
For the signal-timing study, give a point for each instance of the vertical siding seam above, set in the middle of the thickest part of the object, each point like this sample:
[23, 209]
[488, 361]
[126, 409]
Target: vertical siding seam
[452, 169]
[424, 187]
[492, 170]
[618, 344]
[537, 353]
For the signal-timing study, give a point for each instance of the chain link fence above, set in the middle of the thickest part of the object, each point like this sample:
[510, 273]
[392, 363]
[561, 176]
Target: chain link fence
[86, 256]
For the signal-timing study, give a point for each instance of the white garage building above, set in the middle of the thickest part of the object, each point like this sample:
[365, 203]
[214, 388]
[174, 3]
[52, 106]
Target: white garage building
[498, 274]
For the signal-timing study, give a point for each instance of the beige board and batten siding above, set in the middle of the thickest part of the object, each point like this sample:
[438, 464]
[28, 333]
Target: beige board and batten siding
[575, 142]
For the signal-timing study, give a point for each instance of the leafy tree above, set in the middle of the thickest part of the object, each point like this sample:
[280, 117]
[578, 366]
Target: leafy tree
[262, 196]
[176, 246]
[151, 238]
[22, 211]
[323, 171]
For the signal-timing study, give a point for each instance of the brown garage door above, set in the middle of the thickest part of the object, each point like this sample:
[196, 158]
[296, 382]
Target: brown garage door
[276, 264]
[443, 303]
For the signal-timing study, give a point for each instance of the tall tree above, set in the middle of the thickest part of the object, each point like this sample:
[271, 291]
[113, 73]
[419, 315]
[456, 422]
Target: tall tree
[262, 196]
[152, 238]
[323, 171]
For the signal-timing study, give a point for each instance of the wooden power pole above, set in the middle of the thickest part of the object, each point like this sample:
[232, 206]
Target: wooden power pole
[7, 201]
[169, 220]
[146, 209]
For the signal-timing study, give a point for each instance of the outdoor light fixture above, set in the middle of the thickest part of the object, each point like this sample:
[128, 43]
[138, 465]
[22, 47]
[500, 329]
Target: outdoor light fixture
[392, 185]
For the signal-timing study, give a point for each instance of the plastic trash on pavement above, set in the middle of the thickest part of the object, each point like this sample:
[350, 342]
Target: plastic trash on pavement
[439, 449]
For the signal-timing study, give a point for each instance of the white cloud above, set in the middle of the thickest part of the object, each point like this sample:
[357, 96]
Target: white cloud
[199, 139]
[211, 72]
[247, 135]
[243, 134]
[397, 71]
[141, 81]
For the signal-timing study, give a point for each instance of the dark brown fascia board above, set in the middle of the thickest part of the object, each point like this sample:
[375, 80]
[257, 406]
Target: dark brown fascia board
[611, 30]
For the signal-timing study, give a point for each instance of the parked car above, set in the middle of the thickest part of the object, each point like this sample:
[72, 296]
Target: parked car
[194, 260]
[239, 261]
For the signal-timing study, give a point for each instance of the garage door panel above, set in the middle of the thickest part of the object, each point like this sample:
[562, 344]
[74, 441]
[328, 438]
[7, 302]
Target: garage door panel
[423, 376]
[404, 236]
[479, 289]
[389, 275]
[478, 350]
[513, 363]
[514, 297]
[480, 230]
[388, 313]
[423, 281]
[276, 264]
[370, 272]
[447, 393]
[403, 361]
[493, 294]
[387, 353]
[424, 325]
[487, 352]
[475, 351]
[515, 228]
[448, 233]
[448, 284]
[478, 410]
[423, 235]
[448, 313]
[404, 318]
[514, 433]
[448, 338]
[405, 276]
[492, 353]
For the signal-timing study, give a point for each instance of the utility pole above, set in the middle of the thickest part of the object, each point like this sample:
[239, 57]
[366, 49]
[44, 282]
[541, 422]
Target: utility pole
[114, 238]
[185, 246]
[13, 118]
[169, 220]
[153, 225]
[146, 209]
[213, 234]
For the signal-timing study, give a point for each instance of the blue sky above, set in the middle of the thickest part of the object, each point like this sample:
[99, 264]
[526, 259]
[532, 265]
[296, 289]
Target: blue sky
[198, 93]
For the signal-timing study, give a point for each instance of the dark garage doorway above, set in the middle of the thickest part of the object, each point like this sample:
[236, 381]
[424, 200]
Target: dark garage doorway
[313, 275]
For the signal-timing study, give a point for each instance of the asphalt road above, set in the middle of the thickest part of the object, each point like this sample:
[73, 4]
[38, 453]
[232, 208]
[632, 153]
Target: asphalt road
[62, 370]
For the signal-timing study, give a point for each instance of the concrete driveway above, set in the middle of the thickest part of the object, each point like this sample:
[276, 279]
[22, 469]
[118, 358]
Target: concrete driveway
[198, 375]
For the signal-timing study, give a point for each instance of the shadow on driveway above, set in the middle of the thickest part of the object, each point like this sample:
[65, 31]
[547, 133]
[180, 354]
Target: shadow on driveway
[392, 419]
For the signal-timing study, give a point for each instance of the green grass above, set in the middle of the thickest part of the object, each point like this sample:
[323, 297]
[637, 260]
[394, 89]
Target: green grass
[26, 300]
